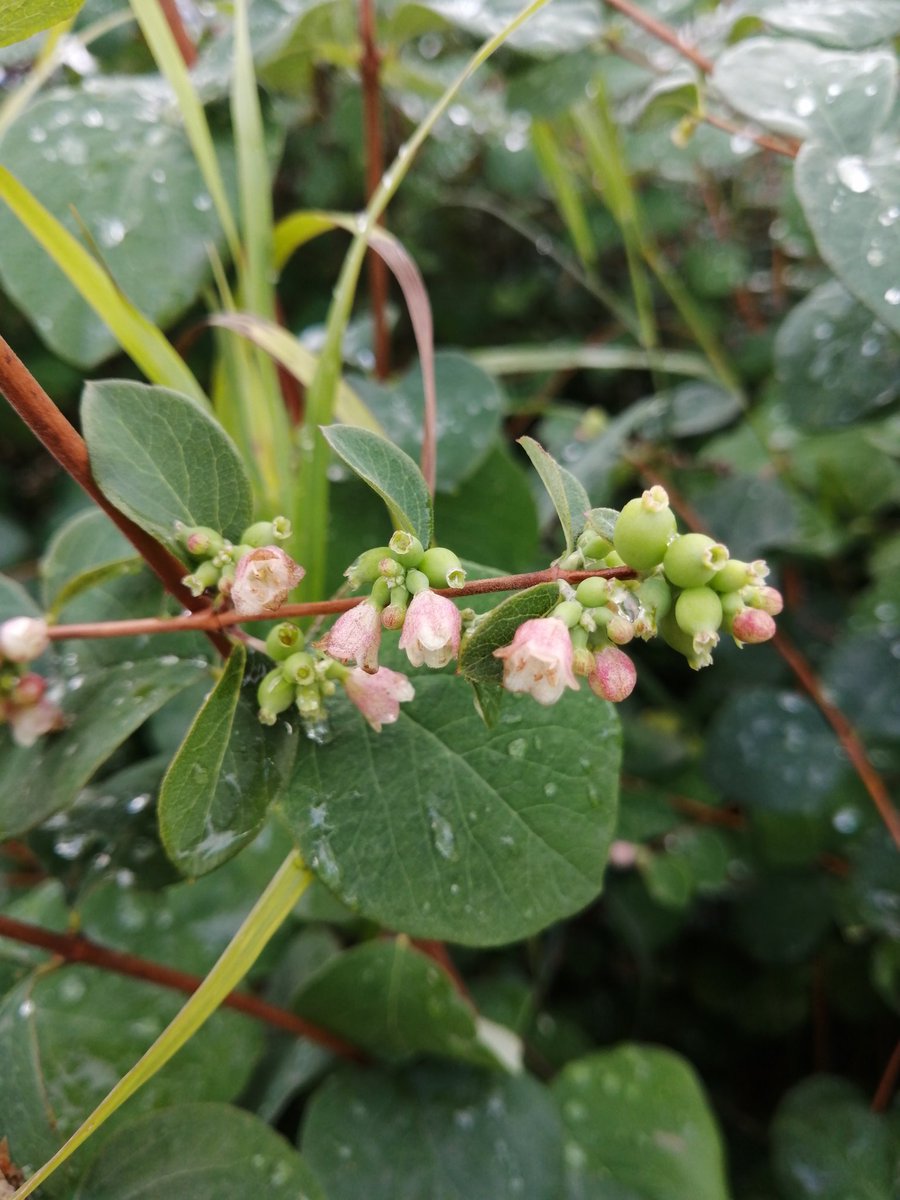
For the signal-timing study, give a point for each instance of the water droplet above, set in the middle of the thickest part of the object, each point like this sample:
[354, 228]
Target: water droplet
[459, 114]
[804, 106]
[138, 803]
[72, 988]
[112, 231]
[833, 90]
[345, 1152]
[93, 118]
[550, 789]
[875, 257]
[69, 848]
[324, 861]
[464, 1118]
[72, 151]
[854, 174]
[575, 1156]
[26, 1008]
[846, 819]
[37, 134]
[158, 175]
[517, 748]
[892, 295]
[889, 216]
[443, 836]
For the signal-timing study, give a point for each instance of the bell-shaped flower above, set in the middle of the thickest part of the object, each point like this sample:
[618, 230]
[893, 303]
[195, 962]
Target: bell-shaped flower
[378, 697]
[355, 636]
[23, 638]
[431, 630]
[263, 580]
[33, 721]
[613, 677]
[539, 660]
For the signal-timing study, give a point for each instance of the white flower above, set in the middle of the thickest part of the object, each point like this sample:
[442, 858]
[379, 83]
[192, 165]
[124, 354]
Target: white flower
[539, 660]
[23, 638]
[378, 696]
[263, 580]
[355, 636]
[431, 630]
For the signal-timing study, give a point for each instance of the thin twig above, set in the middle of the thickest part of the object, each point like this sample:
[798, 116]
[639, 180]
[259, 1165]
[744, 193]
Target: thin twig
[67, 446]
[179, 33]
[75, 948]
[663, 33]
[888, 1083]
[209, 619]
[370, 72]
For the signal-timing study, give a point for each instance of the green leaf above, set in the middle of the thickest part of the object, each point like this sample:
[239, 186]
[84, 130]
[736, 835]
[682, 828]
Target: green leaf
[852, 204]
[444, 829]
[388, 471]
[390, 999]
[88, 549]
[862, 674]
[160, 458]
[567, 25]
[827, 1145]
[497, 628]
[22, 18]
[223, 778]
[834, 362]
[638, 1125]
[102, 709]
[15, 601]
[834, 22]
[470, 408]
[434, 1131]
[66, 1038]
[569, 498]
[798, 89]
[214, 1151]
[773, 751]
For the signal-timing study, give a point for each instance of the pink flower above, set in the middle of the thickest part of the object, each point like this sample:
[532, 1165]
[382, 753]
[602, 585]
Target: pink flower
[355, 637]
[431, 630]
[23, 638]
[28, 724]
[263, 579]
[539, 660]
[752, 625]
[614, 676]
[378, 696]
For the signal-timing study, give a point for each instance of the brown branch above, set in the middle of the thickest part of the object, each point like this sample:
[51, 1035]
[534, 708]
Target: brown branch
[370, 71]
[179, 33]
[75, 948]
[765, 140]
[806, 676]
[663, 33]
[888, 1083]
[208, 620]
[67, 446]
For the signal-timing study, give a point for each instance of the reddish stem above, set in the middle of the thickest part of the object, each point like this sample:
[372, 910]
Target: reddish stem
[888, 1083]
[76, 948]
[663, 33]
[67, 446]
[179, 33]
[370, 71]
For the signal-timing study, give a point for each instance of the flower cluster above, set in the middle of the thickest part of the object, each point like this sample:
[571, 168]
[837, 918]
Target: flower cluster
[255, 575]
[24, 703]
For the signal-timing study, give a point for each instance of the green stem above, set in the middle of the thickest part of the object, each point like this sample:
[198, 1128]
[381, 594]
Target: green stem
[311, 514]
[266, 917]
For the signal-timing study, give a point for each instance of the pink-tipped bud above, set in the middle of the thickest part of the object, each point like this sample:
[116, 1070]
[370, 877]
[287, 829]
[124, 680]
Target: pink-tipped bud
[582, 661]
[29, 724]
[355, 637]
[623, 854]
[263, 580]
[769, 599]
[620, 630]
[539, 660]
[29, 689]
[378, 697]
[614, 675]
[431, 630]
[752, 626]
[23, 638]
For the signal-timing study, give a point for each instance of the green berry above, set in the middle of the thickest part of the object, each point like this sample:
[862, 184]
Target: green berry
[644, 529]
[300, 668]
[593, 592]
[406, 548]
[698, 610]
[283, 641]
[367, 567]
[655, 595]
[274, 695]
[693, 559]
[734, 575]
[442, 567]
[569, 612]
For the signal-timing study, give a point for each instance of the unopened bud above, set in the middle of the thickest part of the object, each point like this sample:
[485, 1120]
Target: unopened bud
[367, 567]
[283, 641]
[201, 541]
[23, 639]
[442, 568]
[407, 549]
[264, 533]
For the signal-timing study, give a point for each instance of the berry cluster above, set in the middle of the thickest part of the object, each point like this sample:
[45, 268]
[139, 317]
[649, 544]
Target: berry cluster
[254, 575]
[24, 703]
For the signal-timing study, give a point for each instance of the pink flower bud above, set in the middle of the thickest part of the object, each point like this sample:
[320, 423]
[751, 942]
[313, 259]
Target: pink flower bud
[770, 600]
[623, 854]
[263, 579]
[539, 660]
[431, 630]
[355, 637]
[29, 689]
[23, 638]
[614, 675]
[28, 724]
[752, 625]
[378, 696]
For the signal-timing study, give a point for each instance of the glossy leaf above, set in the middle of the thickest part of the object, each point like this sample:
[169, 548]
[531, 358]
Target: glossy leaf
[834, 22]
[389, 472]
[565, 26]
[218, 1152]
[85, 551]
[161, 459]
[103, 708]
[452, 1132]
[569, 498]
[444, 829]
[224, 776]
[637, 1123]
[390, 999]
[497, 628]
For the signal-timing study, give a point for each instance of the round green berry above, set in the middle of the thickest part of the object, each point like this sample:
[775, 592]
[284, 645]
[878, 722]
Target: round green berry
[698, 610]
[693, 559]
[593, 592]
[734, 575]
[283, 641]
[655, 595]
[442, 567]
[644, 529]
[569, 612]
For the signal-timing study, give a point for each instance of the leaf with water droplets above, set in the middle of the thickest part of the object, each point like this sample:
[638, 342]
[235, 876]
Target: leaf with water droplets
[217, 1151]
[224, 776]
[828, 1145]
[392, 1000]
[834, 361]
[102, 708]
[434, 1130]
[442, 828]
[835, 22]
[638, 1124]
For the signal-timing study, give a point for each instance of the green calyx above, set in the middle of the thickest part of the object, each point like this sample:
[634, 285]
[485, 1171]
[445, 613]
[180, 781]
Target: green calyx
[442, 568]
[693, 559]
